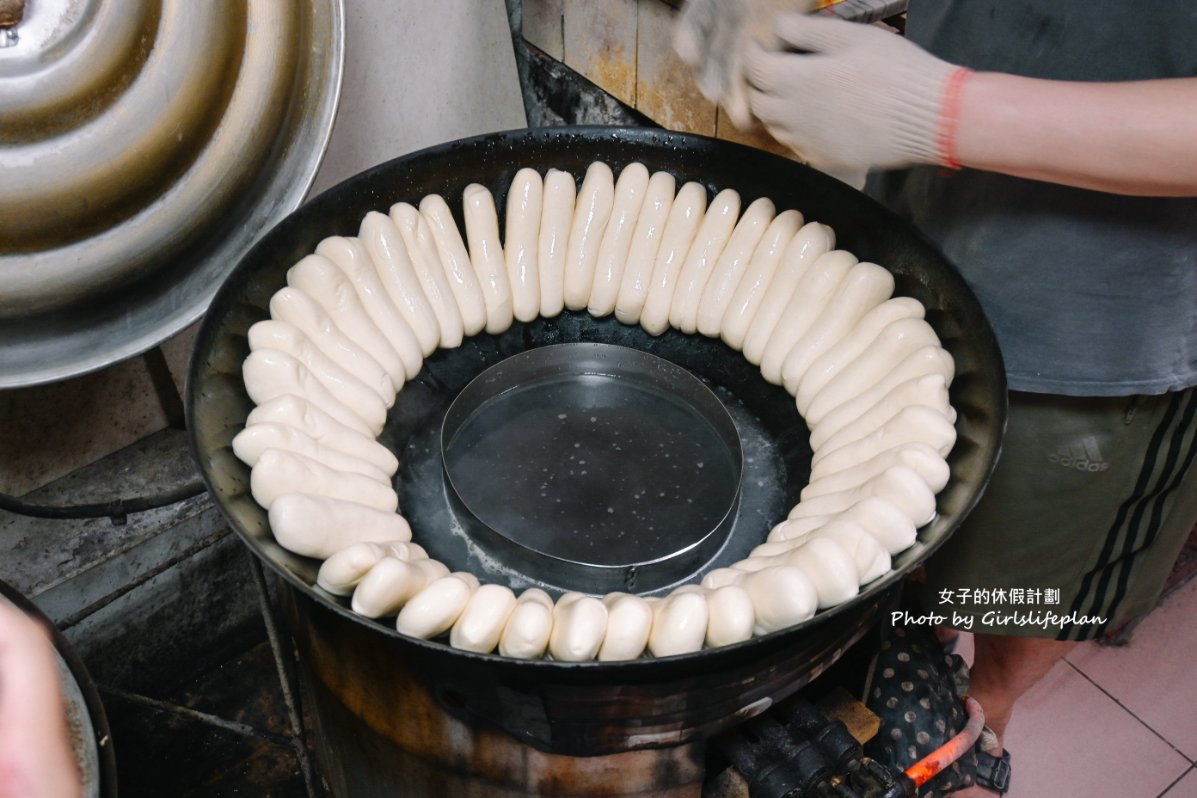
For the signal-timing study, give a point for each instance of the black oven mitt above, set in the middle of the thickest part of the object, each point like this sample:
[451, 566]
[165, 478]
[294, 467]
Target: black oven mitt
[916, 688]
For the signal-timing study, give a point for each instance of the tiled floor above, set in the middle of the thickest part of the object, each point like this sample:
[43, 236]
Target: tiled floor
[1115, 722]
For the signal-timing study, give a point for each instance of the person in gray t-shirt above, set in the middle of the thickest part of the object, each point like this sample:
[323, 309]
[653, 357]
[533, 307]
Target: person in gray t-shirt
[1050, 148]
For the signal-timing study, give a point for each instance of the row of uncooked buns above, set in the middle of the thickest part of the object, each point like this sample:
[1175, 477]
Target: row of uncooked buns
[400, 579]
[359, 315]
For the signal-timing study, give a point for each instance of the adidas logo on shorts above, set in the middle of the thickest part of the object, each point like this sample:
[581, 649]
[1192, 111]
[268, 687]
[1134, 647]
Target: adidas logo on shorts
[1082, 456]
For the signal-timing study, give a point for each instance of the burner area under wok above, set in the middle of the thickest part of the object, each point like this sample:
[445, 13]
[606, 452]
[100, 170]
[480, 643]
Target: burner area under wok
[593, 467]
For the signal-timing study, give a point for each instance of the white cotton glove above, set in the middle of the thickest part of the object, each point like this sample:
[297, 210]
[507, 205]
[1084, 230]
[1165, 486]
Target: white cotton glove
[712, 36]
[849, 97]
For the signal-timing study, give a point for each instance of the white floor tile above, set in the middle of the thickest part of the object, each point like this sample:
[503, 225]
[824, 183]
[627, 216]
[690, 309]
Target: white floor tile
[1185, 788]
[1154, 676]
[1070, 740]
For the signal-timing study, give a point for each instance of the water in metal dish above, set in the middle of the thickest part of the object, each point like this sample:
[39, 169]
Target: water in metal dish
[593, 468]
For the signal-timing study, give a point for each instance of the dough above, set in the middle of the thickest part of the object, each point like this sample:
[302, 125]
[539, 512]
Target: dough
[249, 443]
[352, 392]
[455, 259]
[295, 307]
[486, 255]
[629, 620]
[278, 472]
[435, 569]
[340, 573]
[781, 595]
[394, 264]
[351, 257]
[526, 634]
[752, 288]
[295, 411]
[719, 577]
[406, 550]
[732, 265]
[421, 248]
[687, 213]
[897, 484]
[437, 607]
[775, 547]
[709, 243]
[387, 587]
[850, 347]
[880, 517]
[319, 526]
[269, 374]
[730, 616]
[931, 422]
[913, 424]
[521, 242]
[895, 342]
[560, 196]
[872, 561]
[630, 192]
[830, 569]
[920, 363]
[930, 390]
[920, 457]
[795, 529]
[323, 281]
[485, 616]
[579, 626]
[812, 241]
[865, 287]
[812, 294]
[646, 242]
[592, 211]
[679, 624]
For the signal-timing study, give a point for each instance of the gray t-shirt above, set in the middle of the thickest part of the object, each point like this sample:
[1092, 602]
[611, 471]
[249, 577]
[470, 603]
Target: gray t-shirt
[1091, 294]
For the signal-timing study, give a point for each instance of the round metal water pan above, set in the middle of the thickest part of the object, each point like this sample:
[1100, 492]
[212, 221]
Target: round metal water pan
[775, 462]
[593, 467]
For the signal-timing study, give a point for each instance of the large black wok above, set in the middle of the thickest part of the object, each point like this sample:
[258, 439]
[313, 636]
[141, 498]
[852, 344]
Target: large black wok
[587, 708]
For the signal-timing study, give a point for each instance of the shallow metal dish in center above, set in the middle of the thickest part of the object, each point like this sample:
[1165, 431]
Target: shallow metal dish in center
[593, 467]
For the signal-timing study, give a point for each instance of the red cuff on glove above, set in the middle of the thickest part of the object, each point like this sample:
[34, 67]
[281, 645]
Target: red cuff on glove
[949, 118]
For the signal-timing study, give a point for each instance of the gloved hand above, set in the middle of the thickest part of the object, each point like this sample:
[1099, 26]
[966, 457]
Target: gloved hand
[712, 36]
[849, 97]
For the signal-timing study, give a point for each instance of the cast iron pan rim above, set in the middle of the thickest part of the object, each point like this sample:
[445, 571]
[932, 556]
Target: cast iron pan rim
[647, 668]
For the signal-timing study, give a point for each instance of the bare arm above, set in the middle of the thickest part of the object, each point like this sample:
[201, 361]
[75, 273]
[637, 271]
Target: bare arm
[851, 97]
[1137, 137]
[36, 757]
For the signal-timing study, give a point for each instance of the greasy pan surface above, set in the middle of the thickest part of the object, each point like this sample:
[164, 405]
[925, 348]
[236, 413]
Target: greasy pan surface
[217, 404]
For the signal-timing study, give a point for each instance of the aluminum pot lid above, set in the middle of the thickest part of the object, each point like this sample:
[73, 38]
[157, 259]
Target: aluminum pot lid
[144, 145]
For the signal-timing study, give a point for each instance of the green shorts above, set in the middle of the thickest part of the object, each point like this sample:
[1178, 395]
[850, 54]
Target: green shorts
[1089, 506]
